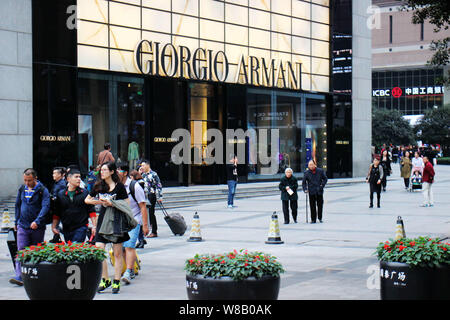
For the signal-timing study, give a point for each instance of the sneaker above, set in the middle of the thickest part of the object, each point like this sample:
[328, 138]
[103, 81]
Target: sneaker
[132, 274]
[126, 278]
[16, 280]
[103, 285]
[424, 205]
[230, 206]
[116, 286]
[431, 205]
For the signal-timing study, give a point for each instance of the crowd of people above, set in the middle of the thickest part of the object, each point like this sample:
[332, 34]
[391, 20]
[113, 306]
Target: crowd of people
[77, 208]
[416, 168]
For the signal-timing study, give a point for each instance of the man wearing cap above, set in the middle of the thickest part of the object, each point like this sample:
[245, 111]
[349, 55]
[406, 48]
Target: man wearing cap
[73, 212]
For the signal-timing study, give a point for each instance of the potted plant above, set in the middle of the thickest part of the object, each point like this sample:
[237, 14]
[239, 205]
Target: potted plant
[416, 268]
[235, 275]
[61, 271]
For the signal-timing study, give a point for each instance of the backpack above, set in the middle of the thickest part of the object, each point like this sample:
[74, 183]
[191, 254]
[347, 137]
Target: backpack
[132, 188]
[48, 219]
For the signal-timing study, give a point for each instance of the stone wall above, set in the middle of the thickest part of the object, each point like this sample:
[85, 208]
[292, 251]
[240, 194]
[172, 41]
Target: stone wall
[361, 88]
[16, 93]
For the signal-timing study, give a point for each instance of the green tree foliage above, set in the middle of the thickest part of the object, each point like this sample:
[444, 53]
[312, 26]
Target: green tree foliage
[388, 126]
[434, 127]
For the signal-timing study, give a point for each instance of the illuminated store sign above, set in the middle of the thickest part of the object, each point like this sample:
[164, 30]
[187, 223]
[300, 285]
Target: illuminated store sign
[411, 91]
[277, 44]
[153, 58]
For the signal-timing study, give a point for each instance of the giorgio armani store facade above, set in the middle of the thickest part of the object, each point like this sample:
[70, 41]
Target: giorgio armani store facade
[131, 72]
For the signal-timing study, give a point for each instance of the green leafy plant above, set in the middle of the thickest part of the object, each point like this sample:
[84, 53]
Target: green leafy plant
[420, 252]
[61, 252]
[237, 265]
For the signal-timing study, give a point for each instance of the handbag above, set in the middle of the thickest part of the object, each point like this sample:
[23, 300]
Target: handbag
[56, 238]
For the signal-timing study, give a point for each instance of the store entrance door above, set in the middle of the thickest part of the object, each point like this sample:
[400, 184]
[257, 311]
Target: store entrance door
[203, 113]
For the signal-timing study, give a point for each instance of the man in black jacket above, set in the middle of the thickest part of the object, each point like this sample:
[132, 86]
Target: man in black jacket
[314, 181]
[73, 212]
[288, 187]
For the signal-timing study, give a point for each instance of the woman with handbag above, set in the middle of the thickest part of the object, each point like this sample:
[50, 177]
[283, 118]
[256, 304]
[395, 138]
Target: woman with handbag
[108, 187]
[406, 169]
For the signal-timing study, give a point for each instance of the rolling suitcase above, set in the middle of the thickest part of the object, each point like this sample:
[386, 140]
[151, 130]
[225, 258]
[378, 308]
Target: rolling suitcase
[175, 221]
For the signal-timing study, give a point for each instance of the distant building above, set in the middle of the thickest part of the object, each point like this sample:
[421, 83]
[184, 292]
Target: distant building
[401, 78]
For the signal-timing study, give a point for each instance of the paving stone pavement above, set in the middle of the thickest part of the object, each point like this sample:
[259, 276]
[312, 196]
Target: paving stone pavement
[329, 261]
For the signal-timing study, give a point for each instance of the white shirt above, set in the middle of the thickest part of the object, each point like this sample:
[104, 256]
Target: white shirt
[140, 197]
[417, 162]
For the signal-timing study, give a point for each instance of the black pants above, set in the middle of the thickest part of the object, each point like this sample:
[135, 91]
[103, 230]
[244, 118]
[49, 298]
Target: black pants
[152, 216]
[406, 180]
[294, 206]
[316, 206]
[375, 188]
[384, 182]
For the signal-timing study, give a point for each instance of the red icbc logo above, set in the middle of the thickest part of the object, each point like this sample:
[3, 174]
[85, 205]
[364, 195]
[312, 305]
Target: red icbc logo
[397, 92]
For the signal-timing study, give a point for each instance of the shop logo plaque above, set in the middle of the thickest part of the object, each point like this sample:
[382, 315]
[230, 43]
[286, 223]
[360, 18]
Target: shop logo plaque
[154, 58]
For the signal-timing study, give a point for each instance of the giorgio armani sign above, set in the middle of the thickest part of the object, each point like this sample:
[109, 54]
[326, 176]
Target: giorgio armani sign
[155, 58]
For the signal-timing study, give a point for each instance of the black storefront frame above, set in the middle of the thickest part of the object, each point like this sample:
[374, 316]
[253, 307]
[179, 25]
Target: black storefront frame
[55, 48]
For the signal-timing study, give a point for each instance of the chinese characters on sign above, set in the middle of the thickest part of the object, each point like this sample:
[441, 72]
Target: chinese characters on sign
[399, 278]
[32, 272]
[410, 91]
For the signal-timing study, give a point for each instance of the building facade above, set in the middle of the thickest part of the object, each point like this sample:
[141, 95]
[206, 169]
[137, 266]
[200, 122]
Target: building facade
[401, 78]
[132, 72]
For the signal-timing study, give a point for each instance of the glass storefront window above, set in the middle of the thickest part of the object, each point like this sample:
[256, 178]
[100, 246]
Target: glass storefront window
[301, 121]
[110, 110]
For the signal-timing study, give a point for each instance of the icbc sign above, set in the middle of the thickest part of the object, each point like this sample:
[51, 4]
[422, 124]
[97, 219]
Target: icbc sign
[395, 92]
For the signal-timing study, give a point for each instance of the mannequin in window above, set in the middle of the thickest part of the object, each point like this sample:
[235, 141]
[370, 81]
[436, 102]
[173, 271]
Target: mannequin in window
[133, 154]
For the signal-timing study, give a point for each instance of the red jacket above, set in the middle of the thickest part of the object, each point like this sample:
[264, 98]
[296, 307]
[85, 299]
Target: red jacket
[428, 173]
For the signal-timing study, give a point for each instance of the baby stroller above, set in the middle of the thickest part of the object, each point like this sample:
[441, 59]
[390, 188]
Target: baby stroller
[416, 181]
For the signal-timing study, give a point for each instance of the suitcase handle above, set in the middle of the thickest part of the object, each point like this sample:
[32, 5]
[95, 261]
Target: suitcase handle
[163, 209]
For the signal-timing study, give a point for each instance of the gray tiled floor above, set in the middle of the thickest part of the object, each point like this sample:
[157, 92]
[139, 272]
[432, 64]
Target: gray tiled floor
[333, 260]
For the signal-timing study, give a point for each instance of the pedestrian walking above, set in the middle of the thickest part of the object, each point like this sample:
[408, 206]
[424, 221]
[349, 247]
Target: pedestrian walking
[374, 178]
[91, 178]
[31, 209]
[59, 181]
[135, 175]
[232, 179]
[108, 188]
[153, 192]
[428, 179]
[72, 211]
[288, 187]
[387, 170]
[314, 181]
[105, 155]
[405, 163]
[138, 204]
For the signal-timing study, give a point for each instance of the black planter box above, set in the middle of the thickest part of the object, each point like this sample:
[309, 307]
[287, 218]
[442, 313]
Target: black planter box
[225, 288]
[61, 281]
[399, 281]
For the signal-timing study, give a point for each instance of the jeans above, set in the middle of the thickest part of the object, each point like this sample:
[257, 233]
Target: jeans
[134, 235]
[428, 194]
[231, 191]
[26, 238]
[77, 235]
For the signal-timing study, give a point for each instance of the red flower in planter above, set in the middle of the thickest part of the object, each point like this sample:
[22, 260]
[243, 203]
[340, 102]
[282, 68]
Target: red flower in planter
[400, 248]
[412, 243]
